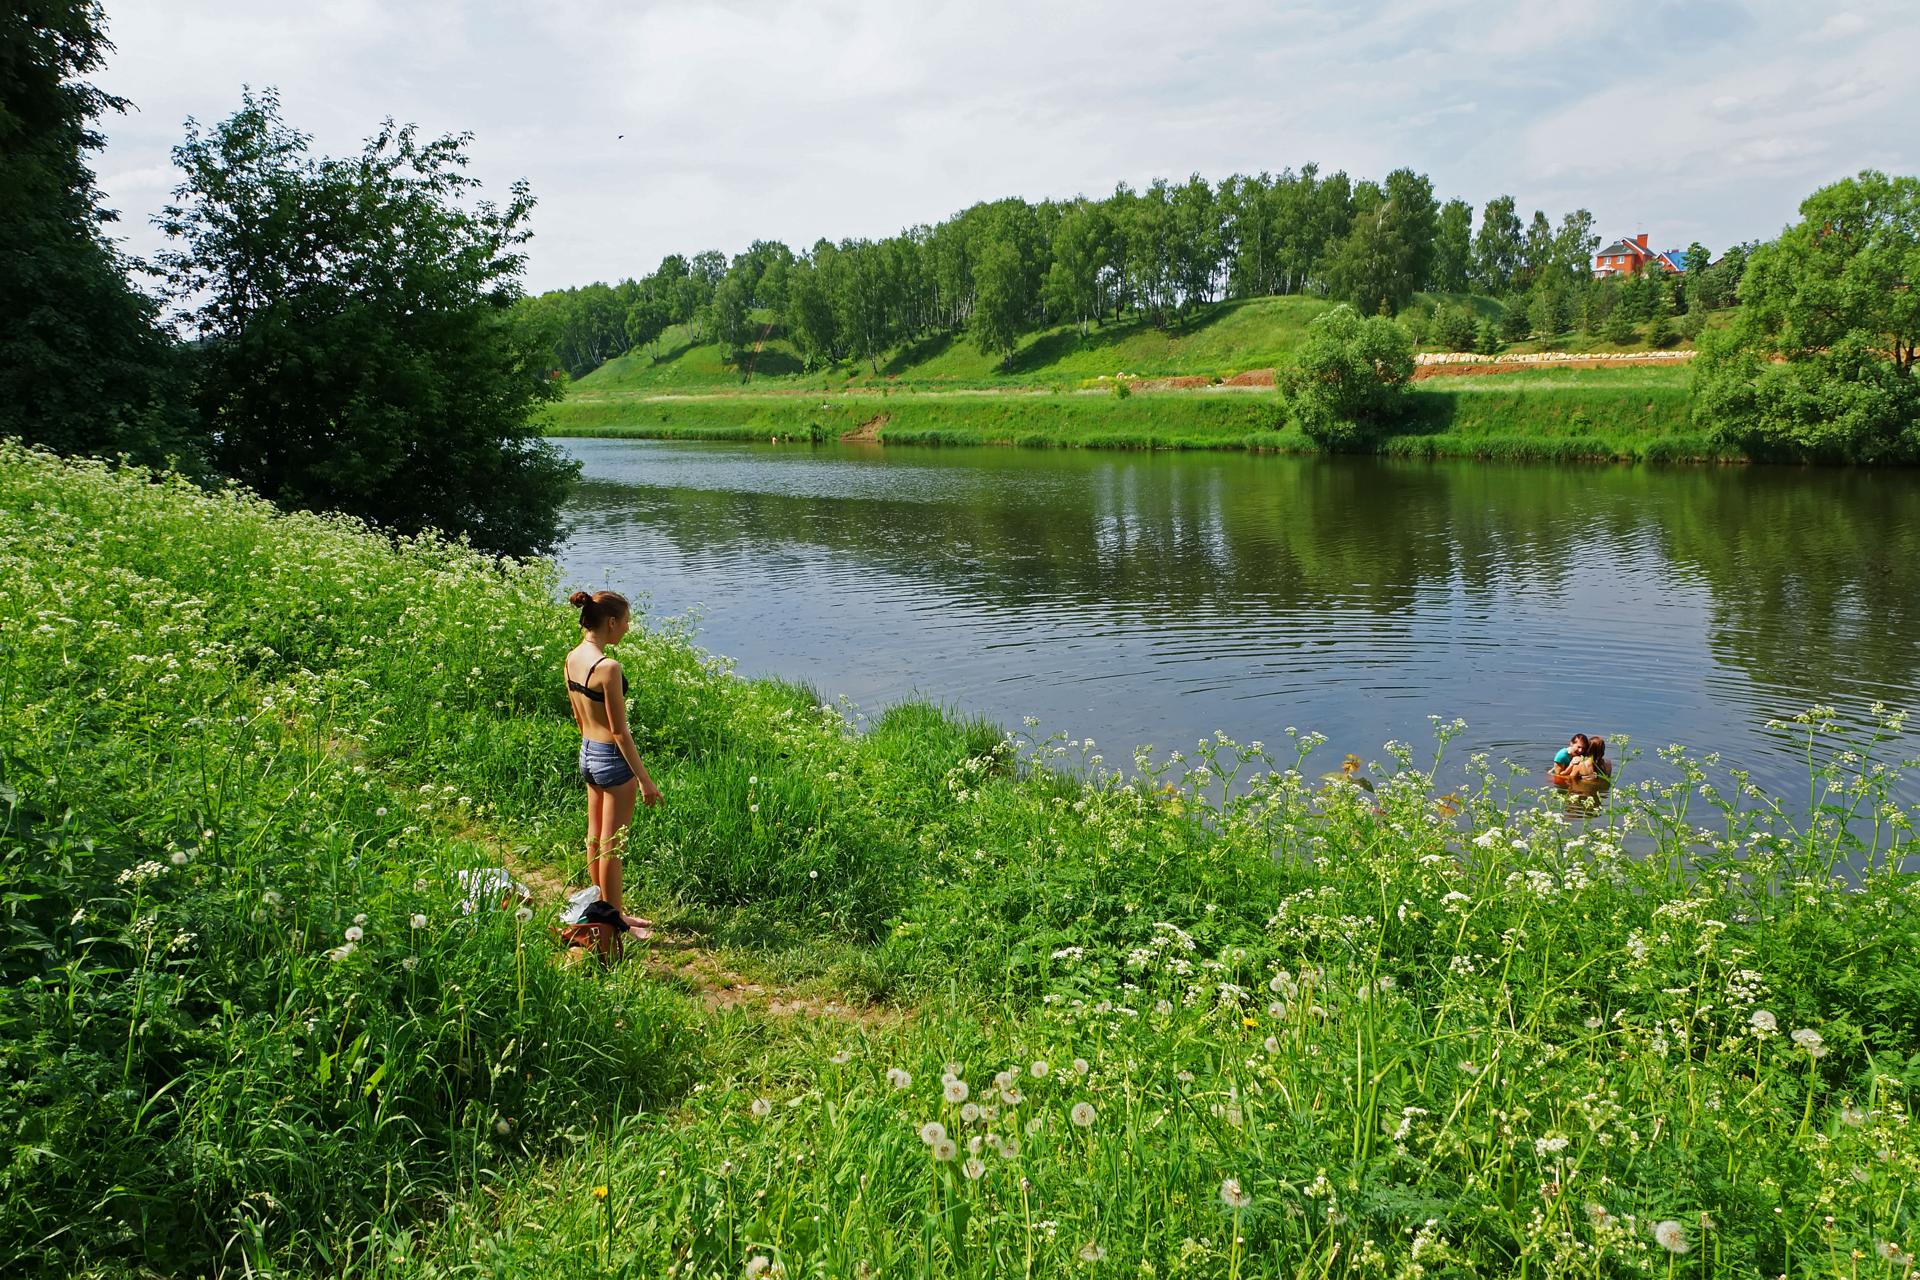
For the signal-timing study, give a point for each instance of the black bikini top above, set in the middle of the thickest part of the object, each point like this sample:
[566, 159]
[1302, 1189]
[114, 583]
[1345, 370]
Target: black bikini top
[596, 694]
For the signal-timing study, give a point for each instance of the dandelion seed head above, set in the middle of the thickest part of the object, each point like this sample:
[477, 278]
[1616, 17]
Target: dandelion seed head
[760, 1108]
[1233, 1196]
[1092, 1252]
[932, 1131]
[899, 1079]
[1671, 1236]
[945, 1150]
[418, 921]
[1083, 1115]
[355, 933]
[973, 1168]
[955, 1091]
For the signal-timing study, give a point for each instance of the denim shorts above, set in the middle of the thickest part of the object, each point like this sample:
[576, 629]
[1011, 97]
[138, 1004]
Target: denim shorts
[602, 764]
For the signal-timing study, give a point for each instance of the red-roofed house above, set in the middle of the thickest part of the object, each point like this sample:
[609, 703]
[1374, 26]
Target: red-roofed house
[1624, 257]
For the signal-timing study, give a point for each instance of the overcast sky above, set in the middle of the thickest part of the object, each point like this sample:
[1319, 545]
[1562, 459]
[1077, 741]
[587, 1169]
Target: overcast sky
[794, 119]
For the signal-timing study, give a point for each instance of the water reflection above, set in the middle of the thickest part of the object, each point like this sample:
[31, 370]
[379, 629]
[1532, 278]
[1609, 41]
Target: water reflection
[1158, 597]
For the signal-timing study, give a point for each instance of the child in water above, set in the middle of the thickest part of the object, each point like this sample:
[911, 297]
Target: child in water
[1563, 759]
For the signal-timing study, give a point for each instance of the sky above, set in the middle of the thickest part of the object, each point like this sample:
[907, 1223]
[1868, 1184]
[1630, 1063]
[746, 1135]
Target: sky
[1690, 120]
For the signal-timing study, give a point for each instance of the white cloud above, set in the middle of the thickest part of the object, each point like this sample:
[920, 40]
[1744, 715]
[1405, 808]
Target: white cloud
[801, 118]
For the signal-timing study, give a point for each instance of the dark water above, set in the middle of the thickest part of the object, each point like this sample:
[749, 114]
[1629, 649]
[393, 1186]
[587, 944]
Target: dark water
[1157, 598]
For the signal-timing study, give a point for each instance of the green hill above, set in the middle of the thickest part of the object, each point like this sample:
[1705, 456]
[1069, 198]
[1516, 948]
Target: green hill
[1220, 340]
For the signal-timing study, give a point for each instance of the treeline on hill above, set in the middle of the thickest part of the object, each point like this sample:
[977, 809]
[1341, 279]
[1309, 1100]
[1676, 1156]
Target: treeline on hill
[999, 270]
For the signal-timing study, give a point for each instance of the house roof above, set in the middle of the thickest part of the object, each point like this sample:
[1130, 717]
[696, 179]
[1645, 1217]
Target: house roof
[1621, 246]
[1676, 258]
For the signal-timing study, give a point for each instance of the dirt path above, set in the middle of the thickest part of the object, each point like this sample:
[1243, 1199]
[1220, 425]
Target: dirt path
[1481, 368]
[683, 958]
[753, 357]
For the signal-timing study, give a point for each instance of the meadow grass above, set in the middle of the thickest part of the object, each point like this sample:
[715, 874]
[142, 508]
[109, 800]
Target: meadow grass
[1221, 1013]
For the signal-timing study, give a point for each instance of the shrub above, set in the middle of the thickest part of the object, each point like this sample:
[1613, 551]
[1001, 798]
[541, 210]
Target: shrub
[1349, 377]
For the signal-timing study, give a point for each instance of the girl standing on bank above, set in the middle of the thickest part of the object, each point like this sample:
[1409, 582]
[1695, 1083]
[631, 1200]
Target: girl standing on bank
[609, 762]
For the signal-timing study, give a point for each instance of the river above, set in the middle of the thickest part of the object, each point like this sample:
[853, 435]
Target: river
[1156, 598]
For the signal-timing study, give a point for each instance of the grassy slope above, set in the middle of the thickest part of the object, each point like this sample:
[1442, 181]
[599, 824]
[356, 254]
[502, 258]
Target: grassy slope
[1468, 1046]
[1225, 339]
[1582, 414]
[1044, 400]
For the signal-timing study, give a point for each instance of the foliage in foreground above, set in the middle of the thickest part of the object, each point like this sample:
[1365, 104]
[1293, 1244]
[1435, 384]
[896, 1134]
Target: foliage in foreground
[1324, 1031]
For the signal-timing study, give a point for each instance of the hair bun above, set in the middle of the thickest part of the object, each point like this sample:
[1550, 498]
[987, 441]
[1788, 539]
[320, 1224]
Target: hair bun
[580, 599]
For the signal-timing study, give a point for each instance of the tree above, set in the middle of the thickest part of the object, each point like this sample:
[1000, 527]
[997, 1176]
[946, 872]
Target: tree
[1349, 377]
[1001, 298]
[355, 344]
[1453, 329]
[863, 304]
[1619, 327]
[731, 327]
[1389, 249]
[1821, 359]
[1453, 248]
[84, 368]
[1079, 259]
[810, 314]
[1514, 325]
[1548, 313]
[1497, 247]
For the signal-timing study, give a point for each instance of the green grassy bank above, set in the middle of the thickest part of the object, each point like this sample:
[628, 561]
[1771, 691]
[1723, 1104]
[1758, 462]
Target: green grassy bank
[1223, 1017]
[1607, 414]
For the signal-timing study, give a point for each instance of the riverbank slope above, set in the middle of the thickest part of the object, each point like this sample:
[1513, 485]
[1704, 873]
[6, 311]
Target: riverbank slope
[256, 1020]
[1626, 413]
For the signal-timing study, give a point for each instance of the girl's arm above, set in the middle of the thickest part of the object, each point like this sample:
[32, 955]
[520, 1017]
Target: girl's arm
[623, 735]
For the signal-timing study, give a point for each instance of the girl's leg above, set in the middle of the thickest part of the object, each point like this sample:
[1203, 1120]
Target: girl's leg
[595, 833]
[615, 815]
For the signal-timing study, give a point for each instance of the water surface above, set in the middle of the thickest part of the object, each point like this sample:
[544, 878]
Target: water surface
[1159, 597]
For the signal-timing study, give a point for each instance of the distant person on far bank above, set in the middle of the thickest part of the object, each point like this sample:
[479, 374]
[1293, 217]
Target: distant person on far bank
[610, 764]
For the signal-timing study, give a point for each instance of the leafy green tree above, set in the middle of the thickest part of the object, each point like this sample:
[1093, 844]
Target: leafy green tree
[811, 321]
[356, 350]
[1453, 248]
[863, 303]
[1573, 244]
[1547, 312]
[1821, 360]
[1497, 247]
[648, 317]
[1415, 222]
[732, 327]
[1537, 258]
[84, 368]
[1348, 379]
[1080, 254]
[1001, 298]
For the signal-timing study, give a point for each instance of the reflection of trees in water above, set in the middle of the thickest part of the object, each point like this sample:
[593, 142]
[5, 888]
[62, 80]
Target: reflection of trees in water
[1814, 574]
[1152, 533]
[1809, 571]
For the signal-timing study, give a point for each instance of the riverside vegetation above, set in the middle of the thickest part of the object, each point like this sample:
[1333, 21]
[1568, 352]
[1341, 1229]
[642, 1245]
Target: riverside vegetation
[1225, 1014]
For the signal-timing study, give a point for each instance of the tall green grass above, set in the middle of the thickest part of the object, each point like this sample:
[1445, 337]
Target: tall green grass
[1676, 1031]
